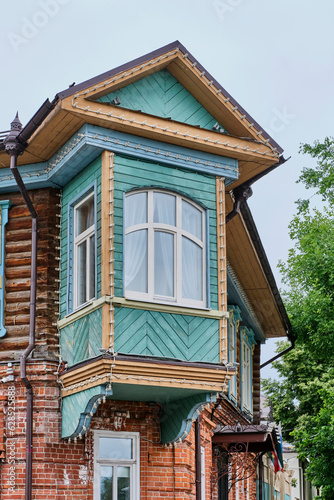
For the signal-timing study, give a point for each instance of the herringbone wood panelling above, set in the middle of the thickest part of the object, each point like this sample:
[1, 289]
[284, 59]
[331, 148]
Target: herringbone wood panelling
[82, 339]
[152, 333]
[162, 95]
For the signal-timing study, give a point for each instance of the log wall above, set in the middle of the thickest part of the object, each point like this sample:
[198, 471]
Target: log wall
[17, 275]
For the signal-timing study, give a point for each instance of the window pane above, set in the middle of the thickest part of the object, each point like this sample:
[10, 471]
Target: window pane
[192, 266]
[106, 483]
[164, 208]
[135, 209]
[81, 272]
[123, 483]
[164, 264]
[92, 267]
[136, 261]
[192, 219]
[85, 215]
[116, 448]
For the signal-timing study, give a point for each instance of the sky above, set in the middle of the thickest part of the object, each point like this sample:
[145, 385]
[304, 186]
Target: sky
[275, 57]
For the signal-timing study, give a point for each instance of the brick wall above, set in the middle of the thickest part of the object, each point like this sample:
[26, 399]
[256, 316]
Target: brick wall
[65, 470]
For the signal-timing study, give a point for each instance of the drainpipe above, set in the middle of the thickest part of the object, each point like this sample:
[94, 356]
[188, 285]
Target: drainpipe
[198, 473]
[261, 475]
[14, 148]
[244, 191]
[292, 340]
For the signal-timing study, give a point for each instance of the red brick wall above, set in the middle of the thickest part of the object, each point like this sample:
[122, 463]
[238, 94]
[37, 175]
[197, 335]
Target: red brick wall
[63, 470]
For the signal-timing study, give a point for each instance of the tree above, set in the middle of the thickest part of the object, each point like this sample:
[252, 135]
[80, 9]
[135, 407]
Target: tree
[303, 400]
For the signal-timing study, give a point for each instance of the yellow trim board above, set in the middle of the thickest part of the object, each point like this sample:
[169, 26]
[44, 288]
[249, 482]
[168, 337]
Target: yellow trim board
[145, 373]
[89, 308]
[151, 306]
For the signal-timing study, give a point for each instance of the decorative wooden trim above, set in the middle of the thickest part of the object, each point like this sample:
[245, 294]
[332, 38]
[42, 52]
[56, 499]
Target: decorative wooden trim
[146, 374]
[222, 272]
[87, 309]
[161, 129]
[188, 311]
[107, 249]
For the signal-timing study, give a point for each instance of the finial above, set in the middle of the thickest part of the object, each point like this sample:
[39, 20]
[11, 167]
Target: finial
[12, 145]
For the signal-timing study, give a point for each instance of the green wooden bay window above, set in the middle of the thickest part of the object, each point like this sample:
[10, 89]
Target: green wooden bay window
[165, 249]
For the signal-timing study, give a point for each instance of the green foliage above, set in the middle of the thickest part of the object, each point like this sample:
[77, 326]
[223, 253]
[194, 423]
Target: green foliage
[322, 176]
[303, 398]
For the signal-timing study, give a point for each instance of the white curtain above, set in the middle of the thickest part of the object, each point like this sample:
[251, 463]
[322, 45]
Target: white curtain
[191, 219]
[192, 280]
[135, 209]
[136, 261]
[164, 208]
[163, 263]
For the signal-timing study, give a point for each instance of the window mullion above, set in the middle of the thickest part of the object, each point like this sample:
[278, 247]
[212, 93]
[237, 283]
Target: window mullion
[178, 260]
[150, 246]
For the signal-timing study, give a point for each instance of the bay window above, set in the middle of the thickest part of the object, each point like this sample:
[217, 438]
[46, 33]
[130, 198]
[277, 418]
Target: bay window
[164, 251]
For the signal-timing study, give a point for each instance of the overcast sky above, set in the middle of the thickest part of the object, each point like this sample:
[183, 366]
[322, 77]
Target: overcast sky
[275, 57]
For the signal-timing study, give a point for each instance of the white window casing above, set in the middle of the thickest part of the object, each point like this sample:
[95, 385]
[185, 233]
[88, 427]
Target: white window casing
[116, 465]
[84, 258]
[165, 249]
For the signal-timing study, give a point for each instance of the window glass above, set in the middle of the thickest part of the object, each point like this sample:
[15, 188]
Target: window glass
[116, 448]
[192, 274]
[81, 272]
[106, 482]
[135, 209]
[164, 263]
[83, 252]
[85, 215]
[92, 266]
[123, 483]
[191, 219]
[116, 466]
[136, 261]
[164, 208]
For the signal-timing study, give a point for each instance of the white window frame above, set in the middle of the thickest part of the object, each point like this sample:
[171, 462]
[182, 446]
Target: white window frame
[232, 352]
[133, 463]
[78, 240]
[178, 233]
[247, 349]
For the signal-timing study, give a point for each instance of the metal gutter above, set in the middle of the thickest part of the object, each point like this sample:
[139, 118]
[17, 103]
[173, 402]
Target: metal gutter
[14, 147]
[255, 237]
[251, 227]
[36, 120]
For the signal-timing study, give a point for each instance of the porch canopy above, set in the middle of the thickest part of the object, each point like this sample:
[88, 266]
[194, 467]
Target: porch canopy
[248, 439]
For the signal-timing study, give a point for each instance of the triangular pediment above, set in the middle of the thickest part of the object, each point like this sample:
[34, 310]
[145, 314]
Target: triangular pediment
[161, 94]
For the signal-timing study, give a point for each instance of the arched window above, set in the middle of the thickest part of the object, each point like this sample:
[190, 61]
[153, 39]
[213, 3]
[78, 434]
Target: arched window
[164, 251]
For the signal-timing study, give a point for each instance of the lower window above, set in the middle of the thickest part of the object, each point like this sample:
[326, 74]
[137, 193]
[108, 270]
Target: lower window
[116, 465]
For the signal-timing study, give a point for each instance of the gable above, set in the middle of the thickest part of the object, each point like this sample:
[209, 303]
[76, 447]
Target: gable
[162, 95]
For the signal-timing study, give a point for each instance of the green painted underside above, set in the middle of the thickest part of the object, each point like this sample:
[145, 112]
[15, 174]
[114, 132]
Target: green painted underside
[82, 339]
[162, 95]
[179, 407]
[151, 333]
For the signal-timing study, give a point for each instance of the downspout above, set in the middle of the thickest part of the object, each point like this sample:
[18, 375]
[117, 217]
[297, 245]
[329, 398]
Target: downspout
[292, 340]
[198, 472]
[261, 475]
[14, 148]
[244, 191]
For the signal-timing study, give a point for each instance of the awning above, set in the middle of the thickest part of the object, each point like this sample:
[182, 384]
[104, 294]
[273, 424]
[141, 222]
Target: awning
[248, 439]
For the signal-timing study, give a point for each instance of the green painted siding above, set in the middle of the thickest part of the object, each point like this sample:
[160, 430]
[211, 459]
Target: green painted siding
[162, 95]
[82, 339]
[130, 174]
[152, 333]
[73, 189]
